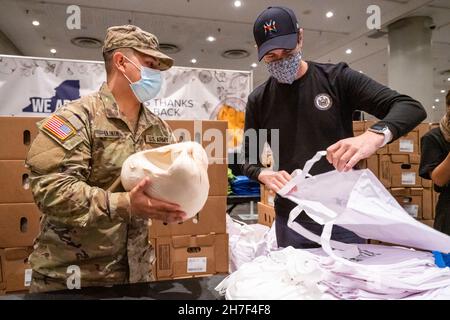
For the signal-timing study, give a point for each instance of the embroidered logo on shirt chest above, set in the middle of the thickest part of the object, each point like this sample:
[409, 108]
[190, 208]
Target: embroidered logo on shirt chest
[323, 101]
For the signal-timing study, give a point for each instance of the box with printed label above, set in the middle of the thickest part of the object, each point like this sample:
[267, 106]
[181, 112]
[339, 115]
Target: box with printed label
[16, 136]
[415, 201]
[188, 256]
[401, 171]
[409, 143]
[16, 178]
[266, 214]
[210, 134]
[16, 271]
[211, 219]
[19, 224]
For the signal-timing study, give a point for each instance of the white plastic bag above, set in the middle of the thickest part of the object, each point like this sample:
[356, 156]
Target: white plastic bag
[357, 201]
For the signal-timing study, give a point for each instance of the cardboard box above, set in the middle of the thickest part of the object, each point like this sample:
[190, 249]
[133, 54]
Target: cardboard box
[16, 271]
[266, 214]
[359, 127]
[372, 164]
[218, 177]
[209, 133]
[267, 196]
[19, 224]
[427, 204]
[189, 256]
[409, 143]
[416, 201]
[211, 219]
[16, 184]
[16, 135]
[401, 171]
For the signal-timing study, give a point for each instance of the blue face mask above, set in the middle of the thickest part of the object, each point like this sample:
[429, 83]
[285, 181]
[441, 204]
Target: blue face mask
[148, 86]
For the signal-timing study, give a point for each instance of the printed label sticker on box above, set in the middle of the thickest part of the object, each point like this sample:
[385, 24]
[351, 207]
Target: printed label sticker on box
[196, 264]
[406, 145]
[408, 178]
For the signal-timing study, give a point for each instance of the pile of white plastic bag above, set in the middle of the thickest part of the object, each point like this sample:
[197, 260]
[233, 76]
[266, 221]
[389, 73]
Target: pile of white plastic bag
[379, 272]
[248, 241]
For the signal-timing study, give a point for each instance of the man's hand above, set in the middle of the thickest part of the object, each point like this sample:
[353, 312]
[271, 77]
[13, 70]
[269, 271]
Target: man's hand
[346, 153]
[145, 207]
[274, 180]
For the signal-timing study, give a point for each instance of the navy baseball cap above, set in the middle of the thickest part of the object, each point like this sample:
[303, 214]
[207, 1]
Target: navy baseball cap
[275, 28]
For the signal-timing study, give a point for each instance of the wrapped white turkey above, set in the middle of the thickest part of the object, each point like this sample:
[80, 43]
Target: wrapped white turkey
[177, 172]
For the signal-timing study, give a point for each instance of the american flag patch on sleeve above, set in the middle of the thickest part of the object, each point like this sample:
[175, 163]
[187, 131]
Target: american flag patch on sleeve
[58, 127]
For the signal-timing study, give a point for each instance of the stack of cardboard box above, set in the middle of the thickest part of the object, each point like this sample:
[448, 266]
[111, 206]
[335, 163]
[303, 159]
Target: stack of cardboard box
[19, 216]
[397, 167]
[199, 246]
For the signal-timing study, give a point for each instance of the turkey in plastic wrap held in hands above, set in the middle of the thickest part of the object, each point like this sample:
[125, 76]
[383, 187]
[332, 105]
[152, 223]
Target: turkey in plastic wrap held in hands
[177, 172]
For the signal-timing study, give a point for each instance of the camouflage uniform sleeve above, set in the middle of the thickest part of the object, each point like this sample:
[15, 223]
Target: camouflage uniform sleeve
[59, 174]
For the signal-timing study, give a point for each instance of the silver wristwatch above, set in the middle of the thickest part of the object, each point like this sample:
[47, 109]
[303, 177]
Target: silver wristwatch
[384, 130]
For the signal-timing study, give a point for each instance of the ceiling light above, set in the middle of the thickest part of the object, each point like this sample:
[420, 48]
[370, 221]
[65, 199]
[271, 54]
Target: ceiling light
[53, 51]
[254, 65]
[194, 61]
[237, 4]
[448, 79]
[35, 23]
[211, 39]
[436, 100]
[360, 71]
[433, 107]
[348, 51]
[330, 14]
[442, 91]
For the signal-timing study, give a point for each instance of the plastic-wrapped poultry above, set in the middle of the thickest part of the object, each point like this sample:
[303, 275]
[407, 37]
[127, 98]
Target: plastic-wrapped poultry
[177, 172]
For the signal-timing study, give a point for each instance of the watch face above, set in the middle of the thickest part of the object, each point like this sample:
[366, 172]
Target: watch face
[378, 127]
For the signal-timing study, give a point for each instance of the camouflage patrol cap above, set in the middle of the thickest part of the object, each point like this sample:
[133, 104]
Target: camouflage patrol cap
[129, 36]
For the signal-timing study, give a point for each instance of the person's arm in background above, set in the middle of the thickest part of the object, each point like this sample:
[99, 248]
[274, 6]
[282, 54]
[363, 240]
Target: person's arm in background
[431, 164]
[250, 158]
[441, 175]
[400, 113]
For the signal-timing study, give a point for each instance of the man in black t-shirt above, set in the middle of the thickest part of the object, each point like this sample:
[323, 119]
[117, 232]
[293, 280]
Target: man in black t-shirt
[312, 104]
[435, 165]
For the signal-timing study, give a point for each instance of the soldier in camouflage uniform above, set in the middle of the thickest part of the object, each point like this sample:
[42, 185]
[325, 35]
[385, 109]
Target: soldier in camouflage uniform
[89, 221]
